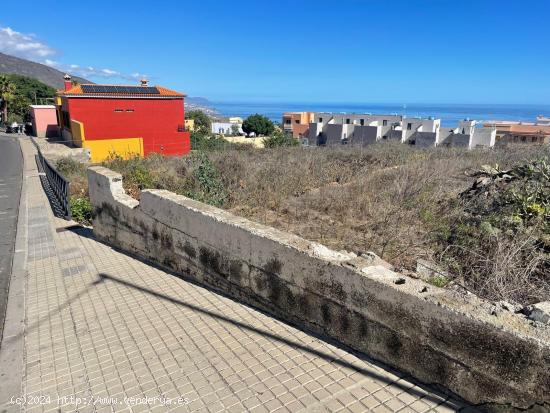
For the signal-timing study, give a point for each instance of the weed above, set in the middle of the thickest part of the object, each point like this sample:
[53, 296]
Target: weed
[438, 280]
[81, 210]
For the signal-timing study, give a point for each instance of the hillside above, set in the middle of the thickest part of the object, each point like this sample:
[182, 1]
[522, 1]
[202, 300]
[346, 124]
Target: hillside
[48, 75]
[54, 78]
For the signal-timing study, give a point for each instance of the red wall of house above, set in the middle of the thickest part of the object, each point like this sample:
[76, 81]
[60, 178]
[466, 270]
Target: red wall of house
[154, 120]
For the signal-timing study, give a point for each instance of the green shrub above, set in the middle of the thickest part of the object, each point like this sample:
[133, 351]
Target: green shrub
[210, 186]
[438, 280]
[201, 141]
[81, 210]
[279, 139]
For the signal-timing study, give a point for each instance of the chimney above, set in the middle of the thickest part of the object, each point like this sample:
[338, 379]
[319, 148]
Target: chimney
[144, 82]
[68, 83]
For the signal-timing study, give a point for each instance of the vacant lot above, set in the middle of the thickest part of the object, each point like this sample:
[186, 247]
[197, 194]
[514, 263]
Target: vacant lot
[398, 202]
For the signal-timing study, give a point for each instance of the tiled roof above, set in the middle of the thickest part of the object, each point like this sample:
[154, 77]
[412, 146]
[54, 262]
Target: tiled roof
[163, 92]
[540, 129]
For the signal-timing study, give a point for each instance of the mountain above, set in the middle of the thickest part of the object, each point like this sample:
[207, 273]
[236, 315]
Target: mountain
[200, 103]
[48, 75]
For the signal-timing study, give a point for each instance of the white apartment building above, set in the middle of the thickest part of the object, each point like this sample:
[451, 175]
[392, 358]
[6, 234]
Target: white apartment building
[467, 135]
[368, 128]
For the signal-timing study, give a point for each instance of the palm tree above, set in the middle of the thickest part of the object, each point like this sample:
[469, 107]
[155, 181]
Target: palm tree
[7, 93]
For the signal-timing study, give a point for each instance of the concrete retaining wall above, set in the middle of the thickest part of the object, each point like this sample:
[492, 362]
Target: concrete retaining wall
[490, 357]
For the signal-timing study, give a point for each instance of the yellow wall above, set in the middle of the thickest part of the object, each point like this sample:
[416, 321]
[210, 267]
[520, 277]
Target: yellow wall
[257, 142]
[190, 124]
[77, 131]
[104, 148]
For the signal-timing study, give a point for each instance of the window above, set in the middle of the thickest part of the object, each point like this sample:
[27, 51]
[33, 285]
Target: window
[463, 131]
[320, 120]
[181, 128]
[297, 121]
[384, 122]
[409, 126]
[287, 121]
[347, 121]
[129, 110]
[119, 110]
[362, 122]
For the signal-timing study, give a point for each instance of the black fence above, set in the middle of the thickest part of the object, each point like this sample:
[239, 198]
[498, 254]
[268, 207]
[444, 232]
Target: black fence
[58, 185]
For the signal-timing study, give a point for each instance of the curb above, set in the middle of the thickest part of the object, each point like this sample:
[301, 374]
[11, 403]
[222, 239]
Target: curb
[12, 354]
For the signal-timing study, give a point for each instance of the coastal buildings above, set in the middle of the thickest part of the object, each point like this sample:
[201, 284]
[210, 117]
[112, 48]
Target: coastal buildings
[531, 134]
[297, 123]
[123, 120]
[327, 128]
[364, 129]
[467, 134]
[231, 126]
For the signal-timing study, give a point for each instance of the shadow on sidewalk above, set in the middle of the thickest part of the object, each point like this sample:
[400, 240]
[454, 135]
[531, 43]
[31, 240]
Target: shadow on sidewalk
[299, 346]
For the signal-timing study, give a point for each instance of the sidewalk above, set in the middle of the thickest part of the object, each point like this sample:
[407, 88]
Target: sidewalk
[105, 327]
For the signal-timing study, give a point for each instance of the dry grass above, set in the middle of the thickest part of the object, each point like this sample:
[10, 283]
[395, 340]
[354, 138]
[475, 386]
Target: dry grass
[391, 199]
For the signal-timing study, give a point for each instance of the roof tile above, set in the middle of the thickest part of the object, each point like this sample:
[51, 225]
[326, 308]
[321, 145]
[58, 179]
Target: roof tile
[77, 90]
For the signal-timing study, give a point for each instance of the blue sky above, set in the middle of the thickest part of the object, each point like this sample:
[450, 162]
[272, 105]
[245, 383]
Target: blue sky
[352, 51]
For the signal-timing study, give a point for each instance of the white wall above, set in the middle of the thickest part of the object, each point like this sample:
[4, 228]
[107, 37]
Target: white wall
[483, 137]
[224, 128]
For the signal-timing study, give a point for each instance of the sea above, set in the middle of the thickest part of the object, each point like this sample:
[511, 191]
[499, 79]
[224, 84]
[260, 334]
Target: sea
[449, 114]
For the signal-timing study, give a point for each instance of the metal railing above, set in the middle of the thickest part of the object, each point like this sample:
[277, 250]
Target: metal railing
[60, 187]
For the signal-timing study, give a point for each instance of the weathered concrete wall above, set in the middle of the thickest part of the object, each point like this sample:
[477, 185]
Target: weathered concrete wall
[491, 357]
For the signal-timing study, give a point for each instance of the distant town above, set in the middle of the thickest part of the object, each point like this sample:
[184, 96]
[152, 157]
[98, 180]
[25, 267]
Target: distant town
[143, 119]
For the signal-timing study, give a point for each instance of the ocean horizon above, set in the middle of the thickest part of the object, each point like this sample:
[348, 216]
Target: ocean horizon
[449, 114]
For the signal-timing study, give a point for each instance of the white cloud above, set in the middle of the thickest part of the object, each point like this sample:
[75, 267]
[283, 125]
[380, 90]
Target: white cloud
[28, 47]
[23, 45]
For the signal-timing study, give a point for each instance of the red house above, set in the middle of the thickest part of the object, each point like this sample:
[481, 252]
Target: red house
[123, 120]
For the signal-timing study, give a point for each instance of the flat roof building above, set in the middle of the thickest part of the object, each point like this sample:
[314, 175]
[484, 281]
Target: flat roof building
[44, 121]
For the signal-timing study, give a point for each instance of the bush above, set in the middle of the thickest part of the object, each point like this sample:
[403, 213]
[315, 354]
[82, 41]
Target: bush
[81, 210]
[279, 139]
[210, 187]
[205, 142]
[499, 238]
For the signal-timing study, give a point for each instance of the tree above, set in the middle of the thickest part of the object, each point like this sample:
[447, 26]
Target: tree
[7, 94]
[202, 121]
[258, 124]
[23, 92]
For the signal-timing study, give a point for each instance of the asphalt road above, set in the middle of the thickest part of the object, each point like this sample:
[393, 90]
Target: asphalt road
[11, 164]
